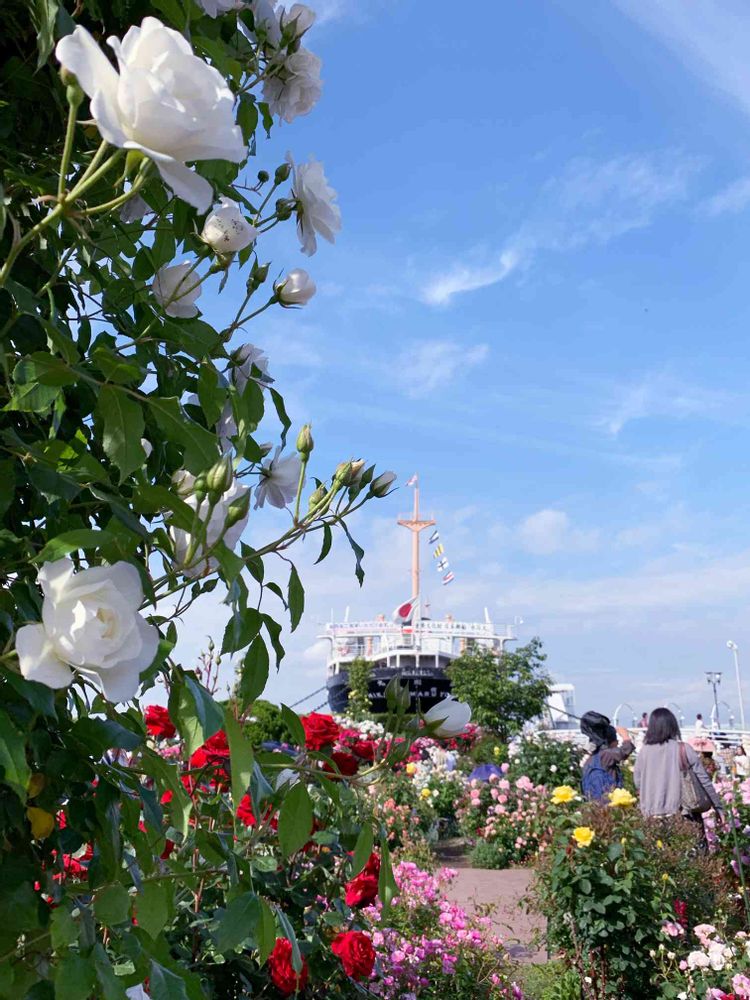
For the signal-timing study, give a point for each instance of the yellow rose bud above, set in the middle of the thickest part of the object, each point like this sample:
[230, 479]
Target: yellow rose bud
[659, 844]
[42, 823]
[665, 877]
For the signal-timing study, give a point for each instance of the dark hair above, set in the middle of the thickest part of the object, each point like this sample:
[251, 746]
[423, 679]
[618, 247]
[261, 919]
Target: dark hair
[699, 716]
[662, 726]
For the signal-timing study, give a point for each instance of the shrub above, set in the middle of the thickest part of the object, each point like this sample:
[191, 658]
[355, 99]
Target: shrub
[546, 761]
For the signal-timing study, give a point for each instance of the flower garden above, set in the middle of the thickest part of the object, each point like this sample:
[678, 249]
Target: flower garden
[157, 841]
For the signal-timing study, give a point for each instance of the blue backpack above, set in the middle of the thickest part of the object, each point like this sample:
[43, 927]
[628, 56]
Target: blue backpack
[596, 781]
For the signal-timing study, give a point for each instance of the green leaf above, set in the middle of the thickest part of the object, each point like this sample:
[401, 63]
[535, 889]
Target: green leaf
[253, 673]
[387, 887]
[105, 734]
[362, 849]
[184, 714]
[266, 934]
[239, 921]
[71, 541]
[112, 905]
[114, 367]
[358, 554]
[325, 548]
[44, 369]
[13, 757]
[292, 721]
[286, 423]
[295, 598]
[200, 446]
[288, 931]
[166, 985]
[74, 978]
[210, 715]
[241, 757]
[63, 928]
[123, 429]
[295, 820]
[112, 988]
[43, 14]
[241, 629]
[152, 907]
[39, 696]
[33, 398]
[167, 775]
[211, 395]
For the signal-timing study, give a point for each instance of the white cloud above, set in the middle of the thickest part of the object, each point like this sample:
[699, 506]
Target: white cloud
[711, 37]
[733, 198]
[590, 203]
[659, 394]
[549, 531]
[428, 365]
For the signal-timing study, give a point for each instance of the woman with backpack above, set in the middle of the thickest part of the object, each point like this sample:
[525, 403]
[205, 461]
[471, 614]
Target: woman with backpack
[669, 775]
[601, 769]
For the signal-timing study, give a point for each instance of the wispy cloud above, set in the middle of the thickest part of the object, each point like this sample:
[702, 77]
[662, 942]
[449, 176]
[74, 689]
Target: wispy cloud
[428, 365]
[659, 394]
[590, 202]
[733, 198]
[550, 531]
[712, 38]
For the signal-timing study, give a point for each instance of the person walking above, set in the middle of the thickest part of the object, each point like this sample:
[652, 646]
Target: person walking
[669, 775]
[643, 721]
[601, 772]
[700, 726]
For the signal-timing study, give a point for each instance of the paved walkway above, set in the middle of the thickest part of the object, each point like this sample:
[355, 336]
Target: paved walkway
[478, 886]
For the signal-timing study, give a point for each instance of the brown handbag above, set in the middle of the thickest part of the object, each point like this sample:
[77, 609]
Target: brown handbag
[694, 799]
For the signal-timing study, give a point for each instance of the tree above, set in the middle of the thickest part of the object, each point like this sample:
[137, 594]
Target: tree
[358, 705]
[504, 691]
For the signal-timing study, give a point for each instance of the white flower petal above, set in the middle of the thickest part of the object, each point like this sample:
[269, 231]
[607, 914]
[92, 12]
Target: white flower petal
[37, 658]
[79, 53]
[54, 577]
[186, 184]
[119, 683]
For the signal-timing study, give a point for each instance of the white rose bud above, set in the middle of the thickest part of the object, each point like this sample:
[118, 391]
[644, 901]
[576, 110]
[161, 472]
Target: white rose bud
[176, 289]
[453, 716]
[296, 289]
[153, 100]
[382, 484]
[91, 624]
[226, 230]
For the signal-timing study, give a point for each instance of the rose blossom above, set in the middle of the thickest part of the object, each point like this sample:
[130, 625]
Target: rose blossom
[278, 482]
[164, 101]
[215, 8]
[176, 288]
[453, 716]
[300, 16]
[158, 722]
[294, 87]
[320, 730]
[356, 953]
[296, 289]
[90, 624]
[226, 230]
[183, 540]
[317, 212]
[283, 976]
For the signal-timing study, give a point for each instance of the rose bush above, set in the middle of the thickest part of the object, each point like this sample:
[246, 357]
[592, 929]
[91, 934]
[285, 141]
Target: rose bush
[165, 855]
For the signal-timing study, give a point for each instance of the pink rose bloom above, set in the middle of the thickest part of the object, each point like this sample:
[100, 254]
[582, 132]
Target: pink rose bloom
[671, 929]
[741, 985]
[505, 767]
[703, 932]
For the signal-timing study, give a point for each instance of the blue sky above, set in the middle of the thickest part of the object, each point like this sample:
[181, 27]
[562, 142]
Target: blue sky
[538, 301]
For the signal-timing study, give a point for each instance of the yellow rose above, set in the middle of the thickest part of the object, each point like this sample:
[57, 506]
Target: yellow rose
[496, 751]
[665, 877]
[411, 767]
[583, 835]
[621, 797]
[425, 793]
[660, 844]
[42, 823]
[563, 794]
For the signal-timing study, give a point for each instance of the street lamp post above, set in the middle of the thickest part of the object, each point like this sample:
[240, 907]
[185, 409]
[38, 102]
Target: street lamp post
[735, 653]
[713, 677]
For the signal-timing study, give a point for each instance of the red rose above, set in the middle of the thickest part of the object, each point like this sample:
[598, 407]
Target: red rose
[373, 865]
[362, 890]
[346, 763]
[245, 812]
[365, 749]
[320, 730]
[356, 953]
[283, 976]
[158, 722]
[213, 756]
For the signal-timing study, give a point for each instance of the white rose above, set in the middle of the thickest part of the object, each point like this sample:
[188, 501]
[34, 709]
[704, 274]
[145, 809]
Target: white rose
[244, 359]
[164, 101]
[176, 288]
[90, 624]
[316, 208]
[716, 956]
[698, 960]
[455, 716]
[382, 483]
[293, 87]
[215, 8]
[278, 482]
[296, 289]
[133, 210]
[301, 16]
[199, 564]
[266, 20]
[226, 230]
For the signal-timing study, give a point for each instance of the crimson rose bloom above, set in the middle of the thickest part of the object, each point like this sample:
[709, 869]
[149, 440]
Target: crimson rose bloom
[158, 722]
[356, 953]
[246, 814]
[362, 890]
[283, 976]
[364, 749]
[346, 763]
[320, 730]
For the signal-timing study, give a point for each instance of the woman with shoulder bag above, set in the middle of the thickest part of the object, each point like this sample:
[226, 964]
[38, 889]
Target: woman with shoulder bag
[669, 775]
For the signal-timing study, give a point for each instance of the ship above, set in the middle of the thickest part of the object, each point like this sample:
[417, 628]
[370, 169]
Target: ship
[414, 647]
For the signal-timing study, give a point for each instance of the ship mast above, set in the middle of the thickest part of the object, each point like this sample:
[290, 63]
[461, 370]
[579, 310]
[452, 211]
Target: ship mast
[415, 525]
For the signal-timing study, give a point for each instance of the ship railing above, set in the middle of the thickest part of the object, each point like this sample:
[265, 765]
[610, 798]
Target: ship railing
[723, 738]
[466, 629]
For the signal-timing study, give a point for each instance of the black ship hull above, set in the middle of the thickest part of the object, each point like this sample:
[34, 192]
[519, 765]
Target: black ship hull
[428, 686]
